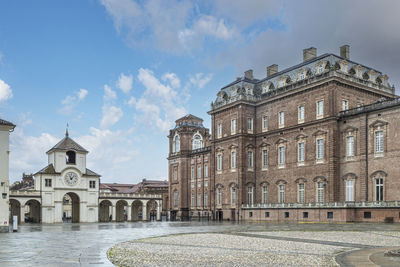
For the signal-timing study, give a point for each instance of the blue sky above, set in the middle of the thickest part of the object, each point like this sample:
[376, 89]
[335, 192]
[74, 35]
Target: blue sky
[120, 72]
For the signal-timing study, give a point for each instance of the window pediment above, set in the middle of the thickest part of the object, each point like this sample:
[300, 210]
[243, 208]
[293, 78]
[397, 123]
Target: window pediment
[378, 123]
[301, 136]
[320, 179]
[300, 180]
[249, 184]
[281, 141]
[233, 146]
[265, 183]
[349, 176]
[264, 144]
[233, 184]
[379, 173]
[350, 129]
[320, 132]
[250, 146]
[219, 149]
[219, 186]
[281, 181]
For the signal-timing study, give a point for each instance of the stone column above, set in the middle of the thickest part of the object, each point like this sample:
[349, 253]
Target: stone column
[22, 214]
[159, 210]
[144, 211]
[129, 213]
[114, 213]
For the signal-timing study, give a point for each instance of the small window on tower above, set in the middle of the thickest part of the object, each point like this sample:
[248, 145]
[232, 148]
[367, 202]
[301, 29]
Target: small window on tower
[70, 157]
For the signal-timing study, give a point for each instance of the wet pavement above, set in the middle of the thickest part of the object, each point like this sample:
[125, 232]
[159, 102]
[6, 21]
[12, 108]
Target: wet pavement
[86, 244]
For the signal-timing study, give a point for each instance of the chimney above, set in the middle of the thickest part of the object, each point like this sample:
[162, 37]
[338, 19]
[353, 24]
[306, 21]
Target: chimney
[345, 51]
[249, 74]
[309, 53]
[272, 70]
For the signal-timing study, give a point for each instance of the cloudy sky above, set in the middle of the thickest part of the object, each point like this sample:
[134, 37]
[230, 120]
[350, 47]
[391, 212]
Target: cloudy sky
[120, 72]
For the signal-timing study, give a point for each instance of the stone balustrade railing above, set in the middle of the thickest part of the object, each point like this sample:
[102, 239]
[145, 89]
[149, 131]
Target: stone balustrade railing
[17, 193]
[129, 195]
[386, 204]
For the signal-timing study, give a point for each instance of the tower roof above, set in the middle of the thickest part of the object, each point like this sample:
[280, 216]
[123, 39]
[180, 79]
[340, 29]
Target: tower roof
[189, 117]
[4, 122]
[68, 144]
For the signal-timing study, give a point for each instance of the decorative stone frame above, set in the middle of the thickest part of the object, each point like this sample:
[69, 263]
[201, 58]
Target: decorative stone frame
[375, 175]
[219, 135]
[264, 129]
[219, 151]
[266, 87]
[283, 80]
[348, 132]
[250, 131]
[217, 187]
[247, 186]
[324, 64]
[376, 126]
[316, 180]
[264, 147]
[299, 120]
[175, 166]
[298, 182]
[281, 143]
[250, 148]
[279, 183]
[319, 116]
[232, 186]
[281, 125]
[371, 75]
[343, 66]
[301, 138]
[233, 148]
[234, 131]
[350, 177]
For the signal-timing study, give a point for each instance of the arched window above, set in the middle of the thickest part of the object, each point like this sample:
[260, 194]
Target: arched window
[70, 157]
[175, 198]
[176, 144]
[197, 142]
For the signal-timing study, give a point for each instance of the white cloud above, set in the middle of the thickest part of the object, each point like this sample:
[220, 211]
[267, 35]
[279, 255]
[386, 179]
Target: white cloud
[111, 115]
[200, 80]
[71, 101]
[132, 101]
[109, 94]
[5, 91]
[125, 82]
[160, 104]
[173, 79]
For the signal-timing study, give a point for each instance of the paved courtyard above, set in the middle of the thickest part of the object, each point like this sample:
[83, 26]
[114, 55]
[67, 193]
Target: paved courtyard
[87, 244]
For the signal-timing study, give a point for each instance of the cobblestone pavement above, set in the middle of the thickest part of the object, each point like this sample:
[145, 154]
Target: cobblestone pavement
[87, 244]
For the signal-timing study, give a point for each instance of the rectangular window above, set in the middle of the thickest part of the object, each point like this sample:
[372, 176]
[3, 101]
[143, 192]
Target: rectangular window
[265, 123]
[281, 156]
[264, 194]
[379, 189]
[233, 196]
[233, 126]
[320, 149]
[198, 199]
[205, 170]
[301, 114]
[92, 184]
[320, 192]
[300, 152]
[249, 124]
[198, 172]
[175, 198]
[175, 172]
[320, 69]
[305, 214]
[301, 76]
[286, 214]
[205, 183]
[233, 160]
[267, 214]
[301, 193]
[265, 159]
[199, 184]
[219, 162]
[192, 185]
[345, 105]
[250, 214]
[367, 215]
[47, 182]
[349, 190]
[379, 142]
[219, 196]
[320, 109]
[192, 202]
[281, 119]
[329, 215]
[219, 132]
[281, 193]
[192, 174]
[205, 199]
[250, 195]
[350, 146]
[250, 159]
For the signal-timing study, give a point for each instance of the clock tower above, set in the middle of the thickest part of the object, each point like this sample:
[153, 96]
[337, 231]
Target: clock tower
[66, 179]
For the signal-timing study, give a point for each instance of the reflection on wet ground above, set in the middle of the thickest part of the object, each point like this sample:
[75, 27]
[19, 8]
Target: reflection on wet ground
[87, 243]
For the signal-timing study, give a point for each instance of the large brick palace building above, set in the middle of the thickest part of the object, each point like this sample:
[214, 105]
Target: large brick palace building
[315, 142]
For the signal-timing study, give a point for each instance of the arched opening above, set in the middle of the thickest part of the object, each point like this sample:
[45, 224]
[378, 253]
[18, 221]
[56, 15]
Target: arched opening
[151, 208]
[32, 211]
[70, 157]
[15, 210]
[197, 142]
[137, 207]
[105, 211]
[176, 144]
[122, 211]
[70, 209]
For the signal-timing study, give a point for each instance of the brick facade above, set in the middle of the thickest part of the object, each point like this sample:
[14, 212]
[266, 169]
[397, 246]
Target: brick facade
[296, 162]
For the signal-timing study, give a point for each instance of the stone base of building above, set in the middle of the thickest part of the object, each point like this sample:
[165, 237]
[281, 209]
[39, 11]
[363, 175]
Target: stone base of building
[4, 229]
[382, 215]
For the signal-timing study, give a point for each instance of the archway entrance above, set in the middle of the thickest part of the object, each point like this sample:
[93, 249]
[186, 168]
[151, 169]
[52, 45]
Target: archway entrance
[105, 211]
[137, 207]
[15, 210]
[122, 212]
[32, 211]
[70, 209]
[151, 208]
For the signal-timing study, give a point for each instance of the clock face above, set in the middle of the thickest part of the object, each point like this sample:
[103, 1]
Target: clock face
[71, 178]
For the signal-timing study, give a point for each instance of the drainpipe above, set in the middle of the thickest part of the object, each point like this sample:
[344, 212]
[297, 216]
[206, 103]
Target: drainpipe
[366, 156]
